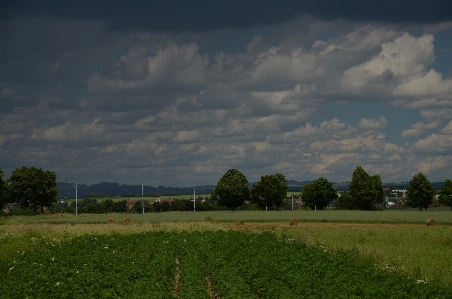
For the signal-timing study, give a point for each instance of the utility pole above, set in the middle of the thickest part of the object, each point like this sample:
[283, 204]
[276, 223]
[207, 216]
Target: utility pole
[194, 200]
[142, 202]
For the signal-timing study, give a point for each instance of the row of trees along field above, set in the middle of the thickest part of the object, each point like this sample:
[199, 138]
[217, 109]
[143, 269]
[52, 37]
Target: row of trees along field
[366, 192]
[232, 190]
[35, 188]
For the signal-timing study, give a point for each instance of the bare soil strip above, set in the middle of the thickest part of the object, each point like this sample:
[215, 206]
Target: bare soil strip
[210, 286]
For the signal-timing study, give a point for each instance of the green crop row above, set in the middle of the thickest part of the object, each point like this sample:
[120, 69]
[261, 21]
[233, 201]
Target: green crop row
[209, 264]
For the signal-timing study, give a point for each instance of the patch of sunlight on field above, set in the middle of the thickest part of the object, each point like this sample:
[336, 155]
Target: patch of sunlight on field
[416, 251]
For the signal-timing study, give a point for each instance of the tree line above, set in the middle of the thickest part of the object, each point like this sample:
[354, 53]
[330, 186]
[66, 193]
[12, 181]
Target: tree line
[366, 192]
[33, 188]
[91, 205]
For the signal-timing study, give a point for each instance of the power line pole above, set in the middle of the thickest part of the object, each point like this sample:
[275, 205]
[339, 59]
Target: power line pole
[142, 201]
[194, 200]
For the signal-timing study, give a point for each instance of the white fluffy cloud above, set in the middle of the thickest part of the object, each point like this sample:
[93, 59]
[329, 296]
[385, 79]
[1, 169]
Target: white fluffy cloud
[368, 123]
[401, 69]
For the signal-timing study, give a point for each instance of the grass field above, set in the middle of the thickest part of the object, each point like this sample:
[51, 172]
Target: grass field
[393, 241]
[442, 216]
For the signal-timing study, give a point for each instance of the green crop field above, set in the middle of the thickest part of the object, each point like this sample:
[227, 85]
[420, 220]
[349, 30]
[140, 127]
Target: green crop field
[329, 254]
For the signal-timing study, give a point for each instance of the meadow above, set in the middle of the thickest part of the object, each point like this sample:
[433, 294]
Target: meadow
[379, 254]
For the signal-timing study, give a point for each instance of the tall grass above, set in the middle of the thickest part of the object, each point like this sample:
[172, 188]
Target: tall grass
[420, 252]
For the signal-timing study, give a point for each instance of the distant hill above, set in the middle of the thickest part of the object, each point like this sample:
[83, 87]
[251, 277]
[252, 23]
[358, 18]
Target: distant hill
[115, 189]
[68, 190]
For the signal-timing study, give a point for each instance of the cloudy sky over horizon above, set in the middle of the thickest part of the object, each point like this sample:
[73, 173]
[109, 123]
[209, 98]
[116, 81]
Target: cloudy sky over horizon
[177, 92]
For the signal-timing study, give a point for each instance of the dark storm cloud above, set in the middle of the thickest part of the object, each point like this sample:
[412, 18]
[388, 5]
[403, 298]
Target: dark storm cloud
[8, 104]
[206, 15]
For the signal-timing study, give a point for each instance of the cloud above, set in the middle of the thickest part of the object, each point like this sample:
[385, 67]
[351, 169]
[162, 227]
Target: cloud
[187, 136]
[429, 85]
[368, 123]
[196, 16]
[72, 132]
[429, 165]
[422, 125]
[398, 61]
[447, 130]
[434, 144]
[174, 66]
[419, 127]
[421, 103]
[142, 102]
[436, 113]
[411, 132]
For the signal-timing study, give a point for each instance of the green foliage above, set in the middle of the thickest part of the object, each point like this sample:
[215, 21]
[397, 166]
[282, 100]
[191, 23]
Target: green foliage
[232, 190]
[3, 191]
[58, 207]
[138, 207]
[318, 194]
[270, 192]
[198, 265]
[365, 191]
[87, 200]
[344, 201]
[32, 187]
[445, 195]
[420, 192]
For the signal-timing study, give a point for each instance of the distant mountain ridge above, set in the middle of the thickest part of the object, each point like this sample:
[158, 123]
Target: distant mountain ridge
[107, 188]
[114, 189]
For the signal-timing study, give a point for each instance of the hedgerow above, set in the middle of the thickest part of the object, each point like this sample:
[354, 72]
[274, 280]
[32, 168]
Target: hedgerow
[220, 264]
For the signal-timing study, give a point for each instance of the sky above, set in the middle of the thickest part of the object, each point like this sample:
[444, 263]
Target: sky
[176, 92]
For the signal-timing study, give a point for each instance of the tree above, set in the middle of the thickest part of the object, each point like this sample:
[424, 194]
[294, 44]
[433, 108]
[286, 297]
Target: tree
[420, 192]
[445, 195]
[379, 193]
[270, 191]
[365, 190]
[33, 187]
[232, 189]
[318, 194]
[3, 193]
[345, 201]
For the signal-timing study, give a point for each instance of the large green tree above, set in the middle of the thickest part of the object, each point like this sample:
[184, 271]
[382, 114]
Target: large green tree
[420, 192]
[232, 190]
[445, 195]
[318, 194]
[32, 187]
[270, 192]
[365, 190]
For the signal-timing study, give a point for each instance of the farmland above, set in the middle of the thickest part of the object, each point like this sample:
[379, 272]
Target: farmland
[206, 255]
